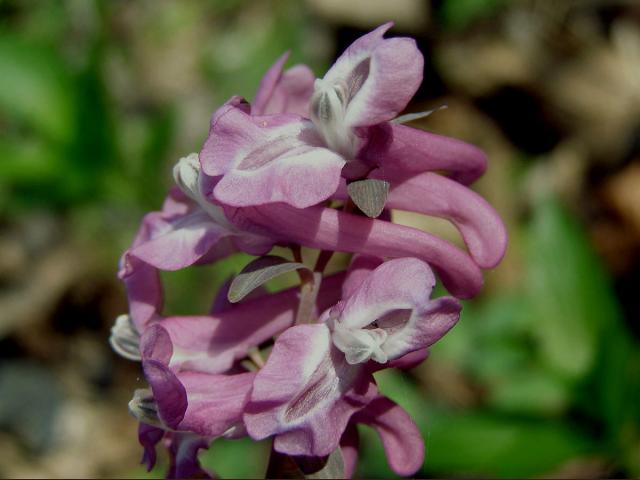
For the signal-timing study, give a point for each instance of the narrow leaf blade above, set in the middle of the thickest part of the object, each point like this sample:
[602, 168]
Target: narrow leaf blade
[257, 273]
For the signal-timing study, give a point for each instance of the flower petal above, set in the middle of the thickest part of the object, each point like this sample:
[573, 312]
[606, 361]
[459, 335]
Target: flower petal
[182, 241]
[423, 328]
[404, 151]
[183, 456]
[381, 75]
[144, 290]
[306, 393]
[278, 160]
[288, 92]
[480, 226]
[360, 268]
[329, 229]
[149, 436]
[400, 436]
[409, 361]
[201, 403]
[349, 444]
[168, 392]
[398, 284]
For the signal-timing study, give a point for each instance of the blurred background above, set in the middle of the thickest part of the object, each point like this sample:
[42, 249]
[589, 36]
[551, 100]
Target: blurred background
[98, 99]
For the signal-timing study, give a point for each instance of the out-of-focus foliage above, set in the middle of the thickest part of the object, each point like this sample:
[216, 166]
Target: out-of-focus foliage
[98, 99]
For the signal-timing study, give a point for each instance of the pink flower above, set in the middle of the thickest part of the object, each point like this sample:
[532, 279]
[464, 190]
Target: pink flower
[290, 159]
[318, 376]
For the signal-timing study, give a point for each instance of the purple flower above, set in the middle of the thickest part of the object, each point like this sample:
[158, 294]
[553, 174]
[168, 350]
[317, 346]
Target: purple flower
[286, 158]
[268, 175]
[318, 376]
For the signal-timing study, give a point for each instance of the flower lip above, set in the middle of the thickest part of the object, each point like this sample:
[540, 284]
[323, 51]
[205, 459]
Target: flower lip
[390, 314]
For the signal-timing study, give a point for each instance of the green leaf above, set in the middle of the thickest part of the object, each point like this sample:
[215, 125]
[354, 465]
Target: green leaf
[257, 273]
[480, 443]
[474, 443]
[569, 298]
[35, 87]
[458, 14]
[242, 458]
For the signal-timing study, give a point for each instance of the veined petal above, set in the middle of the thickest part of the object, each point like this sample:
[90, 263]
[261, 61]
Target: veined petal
[201, 403]
[182, 241]
[398, 284]
[288, 92]
[421, 329]
[378, 77]
[306, 393]
[329, 229]
[400, 436]
[404, 151]
[480, 226]
[269, 159]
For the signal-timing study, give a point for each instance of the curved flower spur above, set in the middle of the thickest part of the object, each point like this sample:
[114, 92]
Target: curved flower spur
[270, 174]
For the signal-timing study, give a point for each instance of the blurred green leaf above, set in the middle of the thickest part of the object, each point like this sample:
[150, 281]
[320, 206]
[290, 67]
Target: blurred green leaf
[35, 88]
[477, 442]
[481, 443]
[531, 392]
[27, 160]
[458, 14]
[242, 458]
[570, 300]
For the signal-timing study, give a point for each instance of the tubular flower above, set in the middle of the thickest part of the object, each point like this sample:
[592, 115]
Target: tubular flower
[318, 163]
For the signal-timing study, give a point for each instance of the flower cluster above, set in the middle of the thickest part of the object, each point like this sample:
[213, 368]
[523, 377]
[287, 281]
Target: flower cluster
[317, 163]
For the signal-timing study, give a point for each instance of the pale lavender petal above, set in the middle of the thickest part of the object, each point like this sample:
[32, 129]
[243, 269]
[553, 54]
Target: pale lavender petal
[329, 229]
[181, 241]
[144, 290]
[400, 436]
[278, 162]
[360, 268]
[404, 151]
[205, 404]
[349, 444]
[288, 92]
[379, 77]
[398, 284]
[408, 361]
[268, 85]
[306, 393]
[480, 226]
[423, 327]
